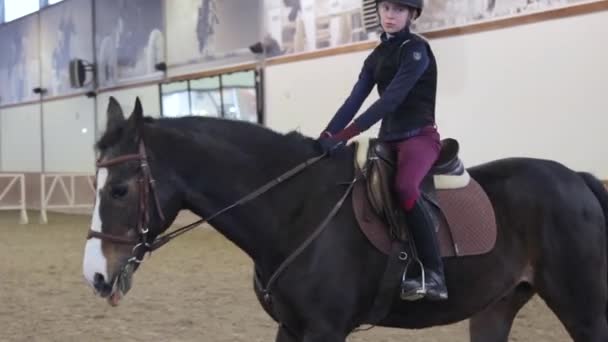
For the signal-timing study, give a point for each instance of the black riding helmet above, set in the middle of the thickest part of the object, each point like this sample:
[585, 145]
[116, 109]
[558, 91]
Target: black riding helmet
[418, 5]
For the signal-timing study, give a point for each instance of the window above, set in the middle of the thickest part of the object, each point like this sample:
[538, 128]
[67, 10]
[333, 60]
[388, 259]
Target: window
[51, 2]
[231, 96]
[206, 98]
[239, 95]
[176, 99]
[14, 9]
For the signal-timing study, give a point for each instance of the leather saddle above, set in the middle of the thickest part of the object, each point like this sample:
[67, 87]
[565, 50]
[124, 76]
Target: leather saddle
[461, 211]
[379, 165]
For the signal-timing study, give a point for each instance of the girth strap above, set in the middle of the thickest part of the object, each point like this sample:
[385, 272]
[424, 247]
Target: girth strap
[397, 264]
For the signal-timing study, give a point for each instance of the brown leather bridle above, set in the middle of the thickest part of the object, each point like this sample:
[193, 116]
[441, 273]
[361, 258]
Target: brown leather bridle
[146, 185]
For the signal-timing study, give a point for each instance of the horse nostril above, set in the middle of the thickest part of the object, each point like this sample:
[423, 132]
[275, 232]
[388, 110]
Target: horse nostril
[101, 286]
[99, 278]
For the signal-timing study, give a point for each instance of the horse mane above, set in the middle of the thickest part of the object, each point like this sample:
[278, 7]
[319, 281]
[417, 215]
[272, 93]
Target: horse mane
[203, 129]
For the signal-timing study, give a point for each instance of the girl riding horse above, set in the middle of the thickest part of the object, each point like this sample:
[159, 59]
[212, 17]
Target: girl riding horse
[404, 69]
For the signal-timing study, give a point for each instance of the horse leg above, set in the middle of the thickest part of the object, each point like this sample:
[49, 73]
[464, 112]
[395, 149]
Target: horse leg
[580, 306]
[572, 282]
[283, 335]
[494, 323]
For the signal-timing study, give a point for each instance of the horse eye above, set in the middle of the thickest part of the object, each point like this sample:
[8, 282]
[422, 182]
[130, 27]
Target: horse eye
[119, 191]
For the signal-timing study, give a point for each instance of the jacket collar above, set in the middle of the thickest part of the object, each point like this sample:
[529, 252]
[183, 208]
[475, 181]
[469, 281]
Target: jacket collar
[395, 37]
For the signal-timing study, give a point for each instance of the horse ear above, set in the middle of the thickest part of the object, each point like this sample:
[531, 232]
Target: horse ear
[137, 116]
[138, 110]
[114, 113]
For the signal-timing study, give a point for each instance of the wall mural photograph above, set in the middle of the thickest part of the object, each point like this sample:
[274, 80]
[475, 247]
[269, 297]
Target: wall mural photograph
[201, 31]
[66, 33]
[130, 40]
[443, 14]
[294, 26]
[19, 65]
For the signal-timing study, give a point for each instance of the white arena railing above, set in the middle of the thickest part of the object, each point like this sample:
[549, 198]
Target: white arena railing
[64, 186]
[13, 179]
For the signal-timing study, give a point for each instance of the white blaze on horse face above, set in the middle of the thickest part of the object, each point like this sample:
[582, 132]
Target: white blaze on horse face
[94, 260]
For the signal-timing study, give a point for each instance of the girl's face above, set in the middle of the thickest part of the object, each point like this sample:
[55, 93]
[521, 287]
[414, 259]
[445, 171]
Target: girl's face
[393, 17]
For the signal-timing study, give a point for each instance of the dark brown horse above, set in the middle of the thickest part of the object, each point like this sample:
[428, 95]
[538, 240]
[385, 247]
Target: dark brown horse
[551, 229]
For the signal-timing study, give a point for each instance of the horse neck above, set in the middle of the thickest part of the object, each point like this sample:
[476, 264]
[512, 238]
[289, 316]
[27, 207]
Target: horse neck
[221, 174]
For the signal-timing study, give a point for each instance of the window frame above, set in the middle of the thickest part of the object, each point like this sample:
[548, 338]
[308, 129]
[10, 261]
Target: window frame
[257, 86]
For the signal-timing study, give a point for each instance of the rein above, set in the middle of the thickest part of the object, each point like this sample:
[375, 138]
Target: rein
[147, 185]
[160, 241]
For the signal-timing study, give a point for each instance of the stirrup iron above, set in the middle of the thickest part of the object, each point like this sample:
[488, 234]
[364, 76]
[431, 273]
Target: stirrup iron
[419, 293]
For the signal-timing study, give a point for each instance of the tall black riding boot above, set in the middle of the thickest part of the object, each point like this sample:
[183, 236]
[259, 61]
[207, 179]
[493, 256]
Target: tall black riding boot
[422, 229]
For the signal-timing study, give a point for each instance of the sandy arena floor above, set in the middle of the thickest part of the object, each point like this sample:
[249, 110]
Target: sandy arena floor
[198, 288]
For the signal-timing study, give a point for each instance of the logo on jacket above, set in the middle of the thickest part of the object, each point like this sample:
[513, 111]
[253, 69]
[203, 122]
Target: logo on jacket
[417, 56]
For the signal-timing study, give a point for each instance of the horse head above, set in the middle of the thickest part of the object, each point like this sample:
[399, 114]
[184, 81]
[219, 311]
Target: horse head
[134, 203]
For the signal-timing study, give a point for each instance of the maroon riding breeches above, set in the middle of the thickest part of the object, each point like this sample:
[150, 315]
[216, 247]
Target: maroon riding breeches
[415, 157]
